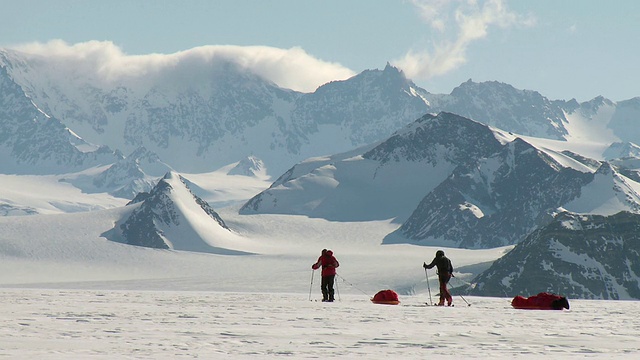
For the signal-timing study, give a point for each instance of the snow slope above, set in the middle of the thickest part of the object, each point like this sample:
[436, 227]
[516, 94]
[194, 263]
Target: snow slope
[608, 194]
[48, 194]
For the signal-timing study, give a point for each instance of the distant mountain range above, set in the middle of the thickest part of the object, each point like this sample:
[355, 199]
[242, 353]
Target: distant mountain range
[198, 120]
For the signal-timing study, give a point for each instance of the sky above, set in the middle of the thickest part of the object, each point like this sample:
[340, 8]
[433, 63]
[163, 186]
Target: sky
[563, 49]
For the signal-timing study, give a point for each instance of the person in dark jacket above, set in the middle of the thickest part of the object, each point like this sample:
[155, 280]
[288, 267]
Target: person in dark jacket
[445, 272]
[329, 264]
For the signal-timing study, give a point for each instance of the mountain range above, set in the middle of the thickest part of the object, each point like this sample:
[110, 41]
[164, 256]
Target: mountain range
[449, 181]
[200, 119]
[485, 166]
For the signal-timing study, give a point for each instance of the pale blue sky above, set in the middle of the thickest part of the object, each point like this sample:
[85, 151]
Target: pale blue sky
[562, 48]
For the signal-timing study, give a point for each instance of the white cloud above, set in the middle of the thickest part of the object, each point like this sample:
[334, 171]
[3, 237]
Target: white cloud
[471, 19]
[104, 61]
[432, 12]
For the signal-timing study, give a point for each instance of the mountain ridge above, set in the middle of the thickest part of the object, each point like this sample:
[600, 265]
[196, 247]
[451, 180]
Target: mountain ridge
[224, 113]
[579, 256]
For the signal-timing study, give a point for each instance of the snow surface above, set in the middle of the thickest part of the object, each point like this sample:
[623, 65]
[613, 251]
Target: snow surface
[590, 149]
[105, 324]
[50, 194]
[583, 128]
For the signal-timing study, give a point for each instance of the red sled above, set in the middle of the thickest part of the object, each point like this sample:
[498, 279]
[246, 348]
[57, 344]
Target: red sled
[542, 301]
[386, 297]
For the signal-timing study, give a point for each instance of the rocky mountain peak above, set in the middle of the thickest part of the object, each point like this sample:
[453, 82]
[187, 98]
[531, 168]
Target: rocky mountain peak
[249, 166]
[621, 150]
[168, 216]
[505, 107]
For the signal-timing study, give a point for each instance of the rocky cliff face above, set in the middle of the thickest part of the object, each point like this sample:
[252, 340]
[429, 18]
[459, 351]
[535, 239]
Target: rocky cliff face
[495, 200]
[578, 256]
[34, 142]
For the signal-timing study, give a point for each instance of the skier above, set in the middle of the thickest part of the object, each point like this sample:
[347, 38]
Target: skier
[445, 272]
[329, 265]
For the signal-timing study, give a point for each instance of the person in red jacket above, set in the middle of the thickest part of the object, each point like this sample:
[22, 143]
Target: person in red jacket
[329, 264]
[445, 272]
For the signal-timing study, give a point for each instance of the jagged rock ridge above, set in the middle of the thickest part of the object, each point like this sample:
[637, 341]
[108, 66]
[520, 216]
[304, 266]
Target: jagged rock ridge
[578, 256]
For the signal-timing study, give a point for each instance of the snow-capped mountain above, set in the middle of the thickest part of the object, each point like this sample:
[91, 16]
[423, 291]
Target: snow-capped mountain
[249, 166]
[621, 150]
[501, 105]
[450, 181]
[624, 122]
[495, 201]
[33, 142]
[136, 173]
[198, 117]
[128, 176]
[381, 181]
[527, 112]
[363, 109]
[579, 256]
[172, 217]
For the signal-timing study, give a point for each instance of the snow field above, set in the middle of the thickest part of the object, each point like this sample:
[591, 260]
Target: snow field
[98, 324]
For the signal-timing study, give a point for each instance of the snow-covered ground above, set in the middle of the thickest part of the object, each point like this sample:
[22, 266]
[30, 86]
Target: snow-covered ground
[65, 246]
[101, 324]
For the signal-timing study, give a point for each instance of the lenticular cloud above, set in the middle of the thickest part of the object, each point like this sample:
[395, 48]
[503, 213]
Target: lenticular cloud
[104, 61]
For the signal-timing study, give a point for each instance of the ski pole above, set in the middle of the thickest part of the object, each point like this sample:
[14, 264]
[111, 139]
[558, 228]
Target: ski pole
[463, 299]
[311, 286]
[337, 290]
[355, 287]
[428, 286]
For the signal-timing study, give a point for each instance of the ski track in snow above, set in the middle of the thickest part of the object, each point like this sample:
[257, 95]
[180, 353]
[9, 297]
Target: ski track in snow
[99, 324]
